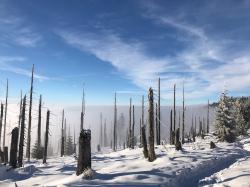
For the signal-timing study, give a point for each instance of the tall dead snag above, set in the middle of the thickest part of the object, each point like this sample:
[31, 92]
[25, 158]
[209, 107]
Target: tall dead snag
[105, 134]
[21, 142]
[46, 138]
[39, 122]
[208, 116]
[156, 124]
[5, 154]
[193, 129]
[30, 117]
[1, 122]
[142, 111]
[144, 141]
[62, 138]
[133, 130]
[84, 158]
[20, 115]
[101, 132]
[151, 154]
[183, 116]
[177, 140]
[74, 149]
[140, 134]
[83, 109]
[115, 127]
[5, 113]
[174, 114]
[159, 112]
[130, 124]
[171, 128]
[13, 147]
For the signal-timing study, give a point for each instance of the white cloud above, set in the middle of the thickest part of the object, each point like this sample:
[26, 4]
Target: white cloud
[7, 64]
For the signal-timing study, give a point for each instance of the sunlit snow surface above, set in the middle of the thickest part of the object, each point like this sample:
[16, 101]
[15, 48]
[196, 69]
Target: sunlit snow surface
[129, 168]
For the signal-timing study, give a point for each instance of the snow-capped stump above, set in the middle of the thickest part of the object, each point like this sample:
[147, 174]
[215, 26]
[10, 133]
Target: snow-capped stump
[13, 147]
[84, 158]
[212, 145]
[88, 174]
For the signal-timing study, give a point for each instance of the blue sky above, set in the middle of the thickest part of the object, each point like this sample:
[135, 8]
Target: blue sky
[124, 46]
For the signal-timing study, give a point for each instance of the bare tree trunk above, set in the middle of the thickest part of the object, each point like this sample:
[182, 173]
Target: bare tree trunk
[21, 142]
[5, 114]
[13, 148]
[183, 117]
[62, 138]
[1, 121]
[105, 134]
[39, 123]
[20, 116]
[159, 112]
[144, 142]
[84, 158]
[115, 126]
[133, 129]
[171, 128]
[151, 155]
[46, 138]
[130, 124]
[30, 117]
[83, 109]
[101, 132]
[140, 134]
[5, 154]
[156, 124]
[208, 116]
[174, 114]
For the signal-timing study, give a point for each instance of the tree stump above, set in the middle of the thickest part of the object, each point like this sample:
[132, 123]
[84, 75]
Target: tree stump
[177, 140]
[5, 155]
[212, 145]
[13, 147]
[144, 142]
[84, 158]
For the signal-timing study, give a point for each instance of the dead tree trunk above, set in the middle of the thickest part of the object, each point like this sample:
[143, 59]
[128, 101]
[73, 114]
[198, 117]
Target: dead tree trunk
[84, 158]
[5, 114]
[159, 112]
[46, 138]
[151, 154]
[5, 155]
[39, 123]
[13, 147]
[208, 116]
[174, 115]
[133, 130]
[130, 124]
[83, 109]
[101, 132]
[20, 116]
[1, 121]
[140, 134]
[30, 117]
[62, 137]
[115, 127]
[183, 117]
[193, 129]
[144, 142]
[177, 140]
[156, 124]
[105, 134]
[21, 141]
[171, 128]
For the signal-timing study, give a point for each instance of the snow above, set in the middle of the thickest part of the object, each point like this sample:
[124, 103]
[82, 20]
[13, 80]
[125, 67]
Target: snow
[237, 174]
[129, 168]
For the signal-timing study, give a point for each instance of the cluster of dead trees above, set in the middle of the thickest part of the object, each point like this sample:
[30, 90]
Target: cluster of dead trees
[18, 134]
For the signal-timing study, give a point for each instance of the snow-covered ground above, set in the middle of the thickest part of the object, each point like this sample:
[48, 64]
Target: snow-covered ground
[237, 174]
[129, 168]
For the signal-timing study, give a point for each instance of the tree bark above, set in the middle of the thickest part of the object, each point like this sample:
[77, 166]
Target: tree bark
[151, 154]
[84, 158]
[46, 138]
[13, 147]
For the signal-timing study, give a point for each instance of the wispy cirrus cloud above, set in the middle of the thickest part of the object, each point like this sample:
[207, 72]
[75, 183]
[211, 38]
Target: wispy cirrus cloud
[205, 64]
[15, 30]
[8, 64]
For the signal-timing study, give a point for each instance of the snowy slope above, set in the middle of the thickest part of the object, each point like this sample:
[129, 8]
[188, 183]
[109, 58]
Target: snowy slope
[237, 175]
[129, 168]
